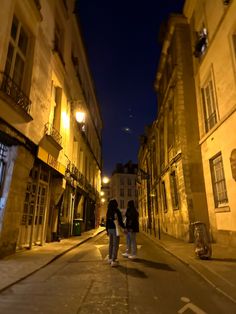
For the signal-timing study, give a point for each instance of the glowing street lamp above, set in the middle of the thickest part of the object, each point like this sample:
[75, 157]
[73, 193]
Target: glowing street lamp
[80, 117]
[105, 180]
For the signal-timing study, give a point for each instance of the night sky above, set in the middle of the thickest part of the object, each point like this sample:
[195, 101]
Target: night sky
[121, 39]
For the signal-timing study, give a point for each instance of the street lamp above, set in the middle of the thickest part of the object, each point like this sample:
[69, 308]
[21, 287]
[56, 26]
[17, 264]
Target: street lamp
[105, 180]
[80, 116]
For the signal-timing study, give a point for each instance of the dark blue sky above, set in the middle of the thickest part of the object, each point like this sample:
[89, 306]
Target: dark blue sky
[121, 38]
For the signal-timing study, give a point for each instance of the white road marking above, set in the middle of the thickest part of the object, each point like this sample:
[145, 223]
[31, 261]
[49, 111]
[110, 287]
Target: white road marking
[190, 306]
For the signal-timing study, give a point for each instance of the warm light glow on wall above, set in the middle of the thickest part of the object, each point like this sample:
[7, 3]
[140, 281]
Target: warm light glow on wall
[80, 116]
[66, 120]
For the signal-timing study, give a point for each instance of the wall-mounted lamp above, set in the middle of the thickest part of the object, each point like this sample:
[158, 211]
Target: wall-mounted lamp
[80, 116]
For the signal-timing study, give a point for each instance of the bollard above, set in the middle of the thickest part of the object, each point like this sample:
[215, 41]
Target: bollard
[203, 248]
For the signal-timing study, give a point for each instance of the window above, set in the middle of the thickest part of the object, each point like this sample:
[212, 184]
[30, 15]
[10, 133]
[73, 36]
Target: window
[218, 181]
[163, 188]
[209, 104]
[121, 181]
[122, 204]
[129, 181]
[174, 190]
[201, 43]
[129, 192]
[17, 51]
[122, 192]
[234, 43]
[170, 125]
[58, 41]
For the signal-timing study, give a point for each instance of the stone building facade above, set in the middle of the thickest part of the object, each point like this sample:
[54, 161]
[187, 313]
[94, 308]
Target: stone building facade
[189, 152]
[50, 125]
[170, 155]
[213, 40]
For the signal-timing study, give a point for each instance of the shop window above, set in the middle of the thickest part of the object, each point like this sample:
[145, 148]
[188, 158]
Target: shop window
[218, 181]
[209, 104]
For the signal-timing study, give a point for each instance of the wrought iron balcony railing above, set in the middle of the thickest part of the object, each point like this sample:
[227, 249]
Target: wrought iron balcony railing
[51, 131]
[10, 88]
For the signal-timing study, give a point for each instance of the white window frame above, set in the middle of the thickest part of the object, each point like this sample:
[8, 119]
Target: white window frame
[218, 181]
[209, 103]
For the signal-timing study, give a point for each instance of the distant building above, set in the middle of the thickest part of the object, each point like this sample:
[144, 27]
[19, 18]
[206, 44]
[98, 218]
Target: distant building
[123, 184]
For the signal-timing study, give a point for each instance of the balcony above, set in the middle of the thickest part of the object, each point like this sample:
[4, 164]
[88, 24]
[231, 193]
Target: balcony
[53, 136]
[15, 105]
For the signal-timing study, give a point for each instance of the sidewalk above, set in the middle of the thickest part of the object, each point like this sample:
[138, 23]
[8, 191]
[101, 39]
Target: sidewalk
[219, 271]
[24, 263]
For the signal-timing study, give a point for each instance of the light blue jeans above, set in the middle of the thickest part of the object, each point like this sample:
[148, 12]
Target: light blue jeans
[131, 245]
[114, 242]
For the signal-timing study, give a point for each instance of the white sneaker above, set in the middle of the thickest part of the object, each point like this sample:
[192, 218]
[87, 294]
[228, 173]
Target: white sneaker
[125, 254]
[132, 256]
[114, 263]
[109, 260]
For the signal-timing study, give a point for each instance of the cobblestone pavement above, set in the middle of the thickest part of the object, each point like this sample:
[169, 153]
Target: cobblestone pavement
[219, 271]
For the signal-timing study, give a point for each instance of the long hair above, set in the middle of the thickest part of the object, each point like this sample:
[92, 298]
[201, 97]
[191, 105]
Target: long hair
[131, 204]
[112, 206]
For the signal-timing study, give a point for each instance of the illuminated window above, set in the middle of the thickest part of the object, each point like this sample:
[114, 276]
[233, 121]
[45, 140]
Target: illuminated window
[17, 53]
[218, 181]
[209, 104]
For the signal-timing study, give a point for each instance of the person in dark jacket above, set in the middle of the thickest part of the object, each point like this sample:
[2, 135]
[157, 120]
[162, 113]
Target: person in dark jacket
[132, 227]
[113, 222]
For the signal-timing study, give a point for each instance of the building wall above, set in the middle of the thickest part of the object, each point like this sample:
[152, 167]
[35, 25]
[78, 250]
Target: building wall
[38, 123]
[217, 62]
[176, 182]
